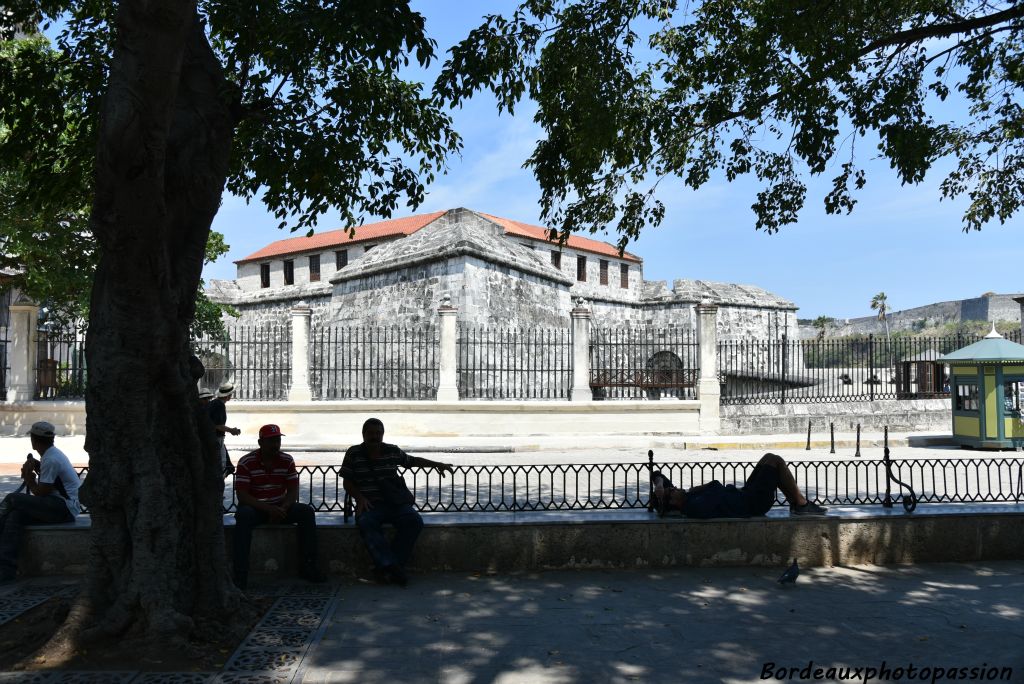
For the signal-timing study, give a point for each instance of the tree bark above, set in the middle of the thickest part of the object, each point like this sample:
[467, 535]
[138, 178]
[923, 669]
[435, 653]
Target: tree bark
[158, 564]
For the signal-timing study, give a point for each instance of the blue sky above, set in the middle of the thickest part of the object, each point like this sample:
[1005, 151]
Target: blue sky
[900, 240]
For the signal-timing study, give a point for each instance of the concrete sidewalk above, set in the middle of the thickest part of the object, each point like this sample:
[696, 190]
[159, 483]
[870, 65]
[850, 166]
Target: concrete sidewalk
[693, 626]
[14, 449]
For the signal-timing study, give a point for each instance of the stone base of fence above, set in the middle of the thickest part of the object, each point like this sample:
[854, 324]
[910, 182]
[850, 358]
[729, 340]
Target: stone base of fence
[507, 542]
[340, 422]
[777, 419]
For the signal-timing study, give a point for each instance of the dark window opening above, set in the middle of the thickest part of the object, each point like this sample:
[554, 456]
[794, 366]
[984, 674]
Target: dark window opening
[340, 259]
[604, 271]
[314, 268]
[368, 248]
[289, 272]
[264, 275]
[624, 276]
[581, 269]
[556, 259]
[966, 397]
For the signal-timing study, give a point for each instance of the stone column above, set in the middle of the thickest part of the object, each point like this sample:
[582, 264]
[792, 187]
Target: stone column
[448, 384]
[708, 390]
[300, 391]
[21, 383]
[580, 389]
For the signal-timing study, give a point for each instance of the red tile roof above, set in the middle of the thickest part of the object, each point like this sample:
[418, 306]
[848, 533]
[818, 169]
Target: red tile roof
[340, 238]
[409, 225]
[575, 241]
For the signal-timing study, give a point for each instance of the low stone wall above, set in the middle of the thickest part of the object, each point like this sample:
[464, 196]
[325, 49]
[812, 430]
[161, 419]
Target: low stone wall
[634, 540]
[899, 415]
[336, 422]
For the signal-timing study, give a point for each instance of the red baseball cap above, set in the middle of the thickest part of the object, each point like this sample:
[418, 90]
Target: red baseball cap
[270, 431]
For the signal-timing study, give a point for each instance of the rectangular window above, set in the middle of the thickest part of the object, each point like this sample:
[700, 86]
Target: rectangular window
[340, 259]
[604, 271]
[581, 269]
[966, 397]
[289, 272]
[264, 275]
[314, 268]
[624, 276]
[1012, 390]
[556, 259]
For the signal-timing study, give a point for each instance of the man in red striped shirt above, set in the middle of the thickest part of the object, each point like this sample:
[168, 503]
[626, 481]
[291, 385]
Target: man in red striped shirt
[267, 487]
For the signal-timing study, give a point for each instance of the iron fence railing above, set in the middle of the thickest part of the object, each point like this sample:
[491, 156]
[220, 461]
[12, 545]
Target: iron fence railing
[5, 363]
[374, 363]
[60, 363]
[833, 370]
[644, 363]
[256, 358]
[604, 486]
[508, 363]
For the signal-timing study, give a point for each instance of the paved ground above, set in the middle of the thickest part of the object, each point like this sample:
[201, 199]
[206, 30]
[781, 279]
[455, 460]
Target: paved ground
[688, 625]
[693, 625]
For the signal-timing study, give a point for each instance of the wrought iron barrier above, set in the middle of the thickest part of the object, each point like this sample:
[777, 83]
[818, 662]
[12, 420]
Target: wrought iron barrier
[644, 363]
[5, 360]
[256, 358]
[833, 370]
[60, 363]
[603, 486]
[509, 363]
[374, 363]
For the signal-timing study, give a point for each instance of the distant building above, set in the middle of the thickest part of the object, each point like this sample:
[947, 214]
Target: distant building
[494, 270]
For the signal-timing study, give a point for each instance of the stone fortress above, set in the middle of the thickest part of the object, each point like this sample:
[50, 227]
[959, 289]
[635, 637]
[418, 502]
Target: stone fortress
[495, 271]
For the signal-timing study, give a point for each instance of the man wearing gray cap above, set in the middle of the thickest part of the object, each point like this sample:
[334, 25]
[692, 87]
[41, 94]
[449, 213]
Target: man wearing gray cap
[51, 496]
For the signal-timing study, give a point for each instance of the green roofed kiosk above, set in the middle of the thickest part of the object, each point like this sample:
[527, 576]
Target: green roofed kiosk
[987, 379]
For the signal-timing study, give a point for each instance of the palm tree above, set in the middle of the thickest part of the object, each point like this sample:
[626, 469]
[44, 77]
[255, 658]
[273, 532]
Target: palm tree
[822, 323]
[879, 303]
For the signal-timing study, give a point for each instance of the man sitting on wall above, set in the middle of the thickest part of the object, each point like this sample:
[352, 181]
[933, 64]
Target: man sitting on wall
[267, 486]
[51, 496]
[756, 497]
[370, 472]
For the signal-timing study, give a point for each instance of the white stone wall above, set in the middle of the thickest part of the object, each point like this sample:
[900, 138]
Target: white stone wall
[496, 296]
[409, 296]
[592, 288]
[248, 274]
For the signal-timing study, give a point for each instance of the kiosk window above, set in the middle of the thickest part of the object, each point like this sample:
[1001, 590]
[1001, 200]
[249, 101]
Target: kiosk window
[966, 397]
[1011, 397]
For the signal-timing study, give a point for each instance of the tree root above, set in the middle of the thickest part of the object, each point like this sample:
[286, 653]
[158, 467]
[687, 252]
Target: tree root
[67, 640]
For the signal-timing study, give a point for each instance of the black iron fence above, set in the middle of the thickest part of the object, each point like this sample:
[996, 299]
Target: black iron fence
[831, 370]
[256, 358]
[610, 486]
[374, 363]
[5, 360]
[60, 363]
[644, 363]
[509, 363]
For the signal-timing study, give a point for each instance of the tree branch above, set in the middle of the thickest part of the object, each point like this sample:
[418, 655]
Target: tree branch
[920, 33]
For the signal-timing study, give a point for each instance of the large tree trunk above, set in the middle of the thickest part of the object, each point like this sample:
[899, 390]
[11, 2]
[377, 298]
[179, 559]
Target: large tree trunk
[154, 487]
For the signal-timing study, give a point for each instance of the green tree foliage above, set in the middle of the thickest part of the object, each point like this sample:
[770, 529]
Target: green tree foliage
[630, 93]
[822, 323]
[148, 111]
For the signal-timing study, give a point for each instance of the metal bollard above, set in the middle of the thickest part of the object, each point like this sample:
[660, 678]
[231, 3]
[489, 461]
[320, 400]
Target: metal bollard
[650, 486]
[832, 437]
[857, 453]
[808, 436]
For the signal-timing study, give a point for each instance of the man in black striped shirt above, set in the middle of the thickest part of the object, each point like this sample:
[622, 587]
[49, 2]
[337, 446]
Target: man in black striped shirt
[370, 472]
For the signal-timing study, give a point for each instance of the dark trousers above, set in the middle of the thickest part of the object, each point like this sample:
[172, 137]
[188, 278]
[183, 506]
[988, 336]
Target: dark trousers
[18, 510]
[299, 514]
[408, 525]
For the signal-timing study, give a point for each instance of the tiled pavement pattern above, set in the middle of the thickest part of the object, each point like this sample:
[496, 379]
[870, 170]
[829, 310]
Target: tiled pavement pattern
[271, 654]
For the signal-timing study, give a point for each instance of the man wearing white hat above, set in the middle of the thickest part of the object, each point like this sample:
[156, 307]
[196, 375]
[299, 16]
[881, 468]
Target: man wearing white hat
[218, 412]
[51, 496]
